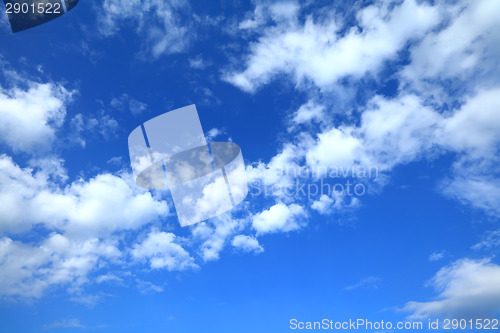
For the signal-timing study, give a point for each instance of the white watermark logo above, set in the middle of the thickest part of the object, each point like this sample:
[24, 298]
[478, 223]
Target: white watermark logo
[306, 182]
[171, 151]
[26, 14]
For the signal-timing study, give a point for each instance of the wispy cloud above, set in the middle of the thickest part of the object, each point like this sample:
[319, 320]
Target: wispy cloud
[66, 323]
[371, 282]
[467, 289]
[158, 24]
[435, 256]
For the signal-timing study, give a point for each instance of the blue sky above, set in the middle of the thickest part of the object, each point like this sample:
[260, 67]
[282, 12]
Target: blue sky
[407, 88]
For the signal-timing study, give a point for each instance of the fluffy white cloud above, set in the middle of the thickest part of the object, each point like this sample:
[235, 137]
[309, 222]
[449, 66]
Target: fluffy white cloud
[213, 133]
[97, 207]
[335, 203]
[445, 40]
[86, 217]
[467, 289]
[396, 131]
[247, 243]
[28, 270]
[82, 220]
[392, 131]
[280, 170]
[336, 147]
[475, 128]
[162, 250]
[309, 112]
[317, 51]
[30, 117]
[404, 129]
[215, 237]
[323, 205]
[465, 48]
[279, 218]
[473, 132]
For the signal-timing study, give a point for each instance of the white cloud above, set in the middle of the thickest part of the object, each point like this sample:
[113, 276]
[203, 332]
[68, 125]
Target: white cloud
[467, 289]
[96, 207]
[82, 220]
[336, 202]
[108, 203]
[336, 147]
[147, 287]
[403, 129]
[28, 270]
[18, 186]
[368, 282]
[435, 256]
[215, 238]
[279, 218]
[317, 51]
[88, 216]
[4, 23]
[198, 62]
[475, 128]
[284, 10]
[29, 118]
[309, 112]
[156, 22]
[162, 250]
[481, 192]
[280, 169]
[103, 124]
[127, 103]
[197, 201]
[491, 241]
[109, 277]
[323, 205]
[465, 47]
[213, 133]
[265, 13]
[66, 323]
[247, 243]
[397, 130]
[445, 40]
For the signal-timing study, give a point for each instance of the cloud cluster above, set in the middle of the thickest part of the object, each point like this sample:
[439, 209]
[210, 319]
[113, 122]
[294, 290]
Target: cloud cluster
[444, 58]
[29, 118]
[162, 250]
[84, 220]
[278, 218]
[98, 206]
[424, 119]
[322, 52]
[28, 270]
[79, 223]
[467, 289]
[247, 243]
